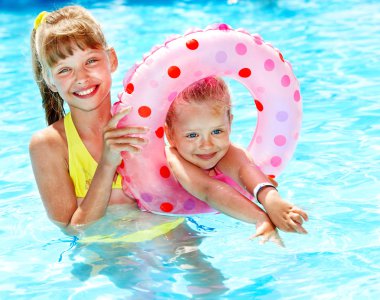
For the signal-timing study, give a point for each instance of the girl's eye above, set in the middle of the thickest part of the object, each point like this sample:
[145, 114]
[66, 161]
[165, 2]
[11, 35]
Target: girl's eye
[63, 70]
[191, 135]
[217, 131]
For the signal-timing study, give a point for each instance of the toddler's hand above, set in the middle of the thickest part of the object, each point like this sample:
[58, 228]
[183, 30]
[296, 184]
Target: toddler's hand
[286, 216]
[268, 232]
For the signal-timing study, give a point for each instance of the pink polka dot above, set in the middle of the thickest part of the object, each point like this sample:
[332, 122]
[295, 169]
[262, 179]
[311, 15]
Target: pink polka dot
[223, 27]
[276, 161]
[221, 57]
[189, 204]
[146, 197]
[172, 96]
[280, 140]
[241, 49]
[285, 80]
[269, 65]
[259, 139]
[258, 41]
[297, 95]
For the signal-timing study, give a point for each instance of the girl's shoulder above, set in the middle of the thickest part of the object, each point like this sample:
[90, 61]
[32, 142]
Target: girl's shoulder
[51, 139]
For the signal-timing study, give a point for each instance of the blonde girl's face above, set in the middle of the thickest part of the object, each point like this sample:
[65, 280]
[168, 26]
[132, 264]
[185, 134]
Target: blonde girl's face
[84, 79]
[201, 133]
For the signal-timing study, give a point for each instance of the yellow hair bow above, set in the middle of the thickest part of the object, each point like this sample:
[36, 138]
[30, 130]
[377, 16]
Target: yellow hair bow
[40, 18]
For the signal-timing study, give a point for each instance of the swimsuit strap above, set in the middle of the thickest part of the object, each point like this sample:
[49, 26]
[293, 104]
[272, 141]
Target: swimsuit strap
[82, 165]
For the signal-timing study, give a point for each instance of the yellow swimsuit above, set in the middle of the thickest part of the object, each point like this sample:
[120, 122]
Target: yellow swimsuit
[82, 165]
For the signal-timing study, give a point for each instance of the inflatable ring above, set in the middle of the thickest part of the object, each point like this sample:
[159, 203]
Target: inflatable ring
[151, 85]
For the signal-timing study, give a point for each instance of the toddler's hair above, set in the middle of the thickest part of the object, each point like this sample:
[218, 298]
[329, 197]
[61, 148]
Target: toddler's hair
[54, 39]
[211, 88]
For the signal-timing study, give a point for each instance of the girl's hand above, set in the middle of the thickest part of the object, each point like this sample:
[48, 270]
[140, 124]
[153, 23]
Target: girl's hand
[116, 140]
[268, 232]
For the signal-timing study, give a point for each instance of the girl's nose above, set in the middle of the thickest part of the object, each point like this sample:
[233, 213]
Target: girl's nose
[82, 77]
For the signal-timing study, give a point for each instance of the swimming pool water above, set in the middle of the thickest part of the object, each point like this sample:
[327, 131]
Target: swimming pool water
[334, 175]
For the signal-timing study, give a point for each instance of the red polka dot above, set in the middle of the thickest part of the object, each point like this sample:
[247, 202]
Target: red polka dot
[192, 44]
[144, 111]
[130, 88]
[245, 72]
[165, 172]
[281, 57]
[166, 206]
[174, 72]
[160, 132]
[259, 105]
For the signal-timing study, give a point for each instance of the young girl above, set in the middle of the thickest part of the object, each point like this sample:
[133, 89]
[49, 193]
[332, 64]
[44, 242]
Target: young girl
[198, 128]
[75, 158]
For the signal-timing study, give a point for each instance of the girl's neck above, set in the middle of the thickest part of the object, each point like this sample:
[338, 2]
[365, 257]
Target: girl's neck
[91, 122]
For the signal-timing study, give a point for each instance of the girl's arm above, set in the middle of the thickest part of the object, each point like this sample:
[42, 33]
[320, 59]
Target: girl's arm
[239, 166]
[220, 195]
[48, 152]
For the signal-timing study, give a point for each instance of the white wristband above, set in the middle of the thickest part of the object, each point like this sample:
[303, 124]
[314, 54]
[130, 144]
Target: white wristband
[259, 187]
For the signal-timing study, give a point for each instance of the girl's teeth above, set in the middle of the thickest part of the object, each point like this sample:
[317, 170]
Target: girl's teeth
[86, 92]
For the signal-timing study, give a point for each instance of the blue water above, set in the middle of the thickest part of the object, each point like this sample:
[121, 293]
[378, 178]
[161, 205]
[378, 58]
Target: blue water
[334, 174]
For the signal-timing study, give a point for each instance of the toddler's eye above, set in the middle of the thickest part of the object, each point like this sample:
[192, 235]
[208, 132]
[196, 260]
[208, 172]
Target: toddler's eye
[217, 131]
[191, 135]
[92, 60]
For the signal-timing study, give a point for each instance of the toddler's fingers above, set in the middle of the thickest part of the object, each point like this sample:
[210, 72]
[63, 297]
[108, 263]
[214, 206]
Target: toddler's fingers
[296, 217]
[297, 227]
[301, 212]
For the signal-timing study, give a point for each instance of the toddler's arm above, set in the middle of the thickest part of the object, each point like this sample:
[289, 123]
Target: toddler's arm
[221, 196]
[239, 166]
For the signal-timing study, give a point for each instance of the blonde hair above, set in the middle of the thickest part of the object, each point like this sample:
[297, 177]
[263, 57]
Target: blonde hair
[53, 40]
[212, 89]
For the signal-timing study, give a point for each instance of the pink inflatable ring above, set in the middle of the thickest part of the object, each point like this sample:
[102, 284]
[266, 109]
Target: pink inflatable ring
[151, 86]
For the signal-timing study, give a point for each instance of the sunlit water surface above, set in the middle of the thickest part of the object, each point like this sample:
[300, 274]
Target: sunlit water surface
[334, 174]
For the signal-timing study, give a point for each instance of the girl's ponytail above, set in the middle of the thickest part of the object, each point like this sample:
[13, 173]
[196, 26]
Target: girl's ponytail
[51, 101]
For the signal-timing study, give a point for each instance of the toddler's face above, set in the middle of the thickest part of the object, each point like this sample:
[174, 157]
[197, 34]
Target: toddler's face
[201, 133]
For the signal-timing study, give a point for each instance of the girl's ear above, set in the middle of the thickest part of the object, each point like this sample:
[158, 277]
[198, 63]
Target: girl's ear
[49, 83]
[51, 86]
[113, 59]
